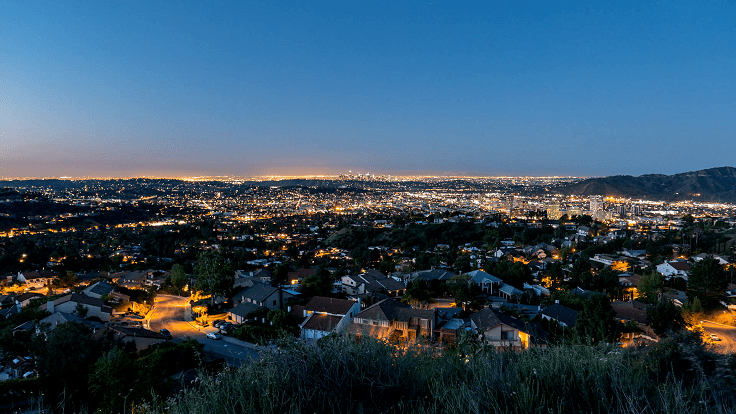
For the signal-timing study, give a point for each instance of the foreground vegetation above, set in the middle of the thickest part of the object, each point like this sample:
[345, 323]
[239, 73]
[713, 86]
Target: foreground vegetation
[341, 375]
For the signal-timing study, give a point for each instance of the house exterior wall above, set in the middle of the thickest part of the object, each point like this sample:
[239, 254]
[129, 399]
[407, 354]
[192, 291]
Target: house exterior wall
[667, 270]
[71, 307]
[235, 318]
[506, 337]
[341, 327]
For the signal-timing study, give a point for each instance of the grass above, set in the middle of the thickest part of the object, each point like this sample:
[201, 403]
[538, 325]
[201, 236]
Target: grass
[344, 376]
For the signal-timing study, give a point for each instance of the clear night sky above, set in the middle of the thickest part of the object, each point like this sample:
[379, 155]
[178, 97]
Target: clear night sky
[124, 88]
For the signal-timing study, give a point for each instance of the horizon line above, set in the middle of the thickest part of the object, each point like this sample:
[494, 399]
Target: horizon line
[271, 177]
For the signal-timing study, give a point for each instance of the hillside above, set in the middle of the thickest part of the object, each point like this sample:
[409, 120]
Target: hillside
[342, 375]
[711, 185]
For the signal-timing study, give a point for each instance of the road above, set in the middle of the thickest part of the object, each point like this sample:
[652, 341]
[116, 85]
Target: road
[174, 314]
[726, 334]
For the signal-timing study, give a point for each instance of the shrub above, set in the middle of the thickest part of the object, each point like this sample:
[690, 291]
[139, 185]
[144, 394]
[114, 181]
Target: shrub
[343, 375]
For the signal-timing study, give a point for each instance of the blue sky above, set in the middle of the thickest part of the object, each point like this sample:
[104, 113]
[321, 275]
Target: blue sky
[132, 88]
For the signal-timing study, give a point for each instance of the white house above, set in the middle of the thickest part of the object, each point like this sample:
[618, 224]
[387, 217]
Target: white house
[36, 279]
[327, 315]
[484, 280]
[68, 304]
[674, 268]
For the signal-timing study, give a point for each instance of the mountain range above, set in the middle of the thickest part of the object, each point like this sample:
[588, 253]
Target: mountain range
[710, 185]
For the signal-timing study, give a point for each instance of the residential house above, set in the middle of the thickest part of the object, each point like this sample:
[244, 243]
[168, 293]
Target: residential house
[68, 304]
[264, 295]
[327, 315]
[701, 256]
[371, 282]
[239, 313]
[132, 280]
[140, 337]
[86, 279]
[504, 331]
[36, 280]
[429, 276]
[448, 331]
[585, 231]
[26, 298]
[562, 314]
[484, 280]
[509, 292]
[679, 267]
[21, 367]
[392, 320]
[538, 290]
[630, 281]
[634, 311]
[246, 279]
[50, 322]
[99, 289]
[297, 277]
[7, 301]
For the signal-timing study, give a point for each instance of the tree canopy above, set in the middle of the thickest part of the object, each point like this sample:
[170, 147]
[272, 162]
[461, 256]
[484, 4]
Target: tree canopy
[707, 281]
[214, 274]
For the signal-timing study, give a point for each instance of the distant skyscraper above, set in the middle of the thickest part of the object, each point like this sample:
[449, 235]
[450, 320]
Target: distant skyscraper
[553, 212]
[621, 210]
[596, 204]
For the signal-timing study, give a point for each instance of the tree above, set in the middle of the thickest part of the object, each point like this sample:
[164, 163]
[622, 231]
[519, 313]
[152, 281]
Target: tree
[418, 292]
[65, 357]
[459, 287]
[556, 276]
[650, 286]
[66, 279]
[665, 318]
[214, 275]
[111, 374]
[319, 284]
[81, 310]
[596, 323]
[707, 281]
[178, 277]
[692, 312]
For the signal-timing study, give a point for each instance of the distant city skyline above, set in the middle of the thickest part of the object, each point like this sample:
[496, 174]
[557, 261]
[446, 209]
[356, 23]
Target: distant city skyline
[184, 89]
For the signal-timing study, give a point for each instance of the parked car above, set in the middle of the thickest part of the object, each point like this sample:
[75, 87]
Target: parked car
[214, 335]
[225, 327]
[217, 322]
[165, 332]
[714, 337]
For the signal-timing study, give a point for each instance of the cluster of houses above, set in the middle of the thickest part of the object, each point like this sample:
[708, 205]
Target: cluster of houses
[88, 307]
[373, 305]
[372, 309]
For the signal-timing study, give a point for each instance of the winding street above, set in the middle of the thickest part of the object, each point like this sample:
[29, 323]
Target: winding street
[726, 334]
[174, 313]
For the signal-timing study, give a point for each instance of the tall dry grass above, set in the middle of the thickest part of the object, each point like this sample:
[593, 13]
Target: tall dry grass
[341, 375]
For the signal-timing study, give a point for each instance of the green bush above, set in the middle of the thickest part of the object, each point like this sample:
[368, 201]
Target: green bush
[343, 375]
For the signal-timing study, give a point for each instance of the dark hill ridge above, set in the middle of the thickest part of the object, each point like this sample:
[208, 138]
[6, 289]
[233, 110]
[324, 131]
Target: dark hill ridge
[711, 185]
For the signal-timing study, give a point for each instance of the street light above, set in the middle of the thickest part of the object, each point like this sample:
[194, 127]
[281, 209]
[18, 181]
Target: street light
[125, 399]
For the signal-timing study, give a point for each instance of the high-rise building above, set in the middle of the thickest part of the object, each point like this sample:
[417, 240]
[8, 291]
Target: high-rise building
[596, 204]
[621, 210]
[553, 212]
